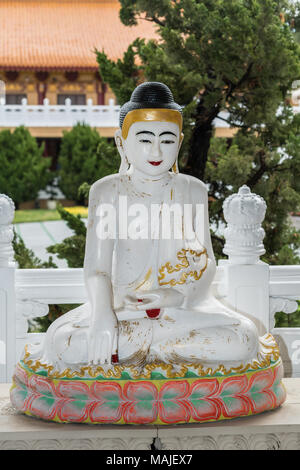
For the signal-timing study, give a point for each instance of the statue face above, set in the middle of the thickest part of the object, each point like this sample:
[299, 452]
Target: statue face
[152, 147]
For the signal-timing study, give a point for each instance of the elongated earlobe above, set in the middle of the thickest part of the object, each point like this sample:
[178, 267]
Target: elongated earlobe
[124, 165]
[175, 168]
[124, 161]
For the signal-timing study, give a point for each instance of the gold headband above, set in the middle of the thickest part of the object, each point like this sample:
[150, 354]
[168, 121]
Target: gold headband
[150, 114]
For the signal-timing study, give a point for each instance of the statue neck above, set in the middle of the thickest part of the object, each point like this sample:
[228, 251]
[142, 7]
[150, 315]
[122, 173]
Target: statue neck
[152, 185]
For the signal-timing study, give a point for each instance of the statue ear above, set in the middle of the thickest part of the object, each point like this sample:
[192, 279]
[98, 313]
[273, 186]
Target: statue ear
[120, 146]
[119, 142]
[181, 140]
[175, 168]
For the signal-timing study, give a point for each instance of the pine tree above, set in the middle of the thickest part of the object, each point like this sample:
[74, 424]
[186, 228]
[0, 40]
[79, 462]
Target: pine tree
[23, 169]
[72, 248]
[237, 56]
[84, 156]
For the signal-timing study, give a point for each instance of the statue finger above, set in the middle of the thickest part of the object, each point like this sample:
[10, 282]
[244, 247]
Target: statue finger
[115, 345]
[104, 348]
[150, 295]
[91, 350]
[131, 300]
[97, 350]
[148, 305]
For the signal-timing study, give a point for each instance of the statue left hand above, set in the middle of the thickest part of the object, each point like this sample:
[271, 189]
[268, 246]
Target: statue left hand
[156, 298]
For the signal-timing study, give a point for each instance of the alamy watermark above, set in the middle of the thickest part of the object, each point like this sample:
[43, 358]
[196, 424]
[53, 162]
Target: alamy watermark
[159, 221]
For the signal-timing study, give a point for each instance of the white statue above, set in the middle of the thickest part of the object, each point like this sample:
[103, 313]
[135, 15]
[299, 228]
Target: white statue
[149, 298]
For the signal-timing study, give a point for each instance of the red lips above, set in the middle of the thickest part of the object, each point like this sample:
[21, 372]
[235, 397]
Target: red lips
[156, 163]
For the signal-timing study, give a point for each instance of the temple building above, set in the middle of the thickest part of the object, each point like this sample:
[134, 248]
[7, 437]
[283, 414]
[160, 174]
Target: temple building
[47, 51]
[49, 68]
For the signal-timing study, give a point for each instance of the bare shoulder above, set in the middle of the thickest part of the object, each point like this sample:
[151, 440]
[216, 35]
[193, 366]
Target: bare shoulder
[105, 188]
[198, 188]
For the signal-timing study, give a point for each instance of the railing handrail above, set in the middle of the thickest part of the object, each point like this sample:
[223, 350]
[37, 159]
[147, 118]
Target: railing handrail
[67, 115]
[48, 284]
[59, 115]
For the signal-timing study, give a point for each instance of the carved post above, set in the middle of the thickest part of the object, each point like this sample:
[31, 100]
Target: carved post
[24, 117]
[68, 112]
[7, 290]
[246, 277]
[46, 113]
[111, 111]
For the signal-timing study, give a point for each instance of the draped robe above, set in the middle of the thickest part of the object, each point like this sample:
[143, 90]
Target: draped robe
[201, 329]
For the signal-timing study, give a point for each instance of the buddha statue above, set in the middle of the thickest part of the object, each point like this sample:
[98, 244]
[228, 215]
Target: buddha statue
[152, 344]
[149, 296]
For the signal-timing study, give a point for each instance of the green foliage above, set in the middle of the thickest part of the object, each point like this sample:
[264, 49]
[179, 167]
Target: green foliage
[24, 170]
[84, 156]
[123, 75]
[84, 190]
[71, 248]
[235, 56]
[55, 311]
[26, 258]
[291, 320]
[267, 161]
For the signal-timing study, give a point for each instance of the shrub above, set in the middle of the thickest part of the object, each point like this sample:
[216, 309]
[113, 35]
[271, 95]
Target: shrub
[84, 156]
[24, 170]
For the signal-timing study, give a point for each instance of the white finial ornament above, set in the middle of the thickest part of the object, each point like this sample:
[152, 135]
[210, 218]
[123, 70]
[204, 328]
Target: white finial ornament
[244, 213]
[7, 212]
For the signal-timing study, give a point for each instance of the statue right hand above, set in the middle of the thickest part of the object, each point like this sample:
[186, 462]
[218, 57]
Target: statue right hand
[103, 339]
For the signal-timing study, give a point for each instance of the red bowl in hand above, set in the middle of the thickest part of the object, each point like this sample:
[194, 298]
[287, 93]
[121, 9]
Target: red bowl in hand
[151, 312]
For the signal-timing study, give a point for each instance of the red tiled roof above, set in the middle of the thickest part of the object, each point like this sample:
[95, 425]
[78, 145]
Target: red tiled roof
[52, 34]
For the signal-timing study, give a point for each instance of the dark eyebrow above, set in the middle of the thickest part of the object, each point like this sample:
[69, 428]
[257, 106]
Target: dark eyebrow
[167, 132]
[145, 132]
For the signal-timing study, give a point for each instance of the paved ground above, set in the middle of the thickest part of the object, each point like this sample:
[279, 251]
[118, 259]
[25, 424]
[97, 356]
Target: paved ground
[38, 235]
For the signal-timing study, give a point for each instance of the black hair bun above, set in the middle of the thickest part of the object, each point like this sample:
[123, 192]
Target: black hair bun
[149, 95]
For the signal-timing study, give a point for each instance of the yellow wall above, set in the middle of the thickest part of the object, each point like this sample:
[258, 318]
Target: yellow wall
[56, 84]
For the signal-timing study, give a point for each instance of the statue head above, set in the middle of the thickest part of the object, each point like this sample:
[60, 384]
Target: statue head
[150, 134]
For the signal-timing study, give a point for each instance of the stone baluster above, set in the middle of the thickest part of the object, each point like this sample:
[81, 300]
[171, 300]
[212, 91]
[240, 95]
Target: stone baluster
[7, 290]
[67, 115]
[45, 113]
[23, 113]
[246, 277]
[111, 110]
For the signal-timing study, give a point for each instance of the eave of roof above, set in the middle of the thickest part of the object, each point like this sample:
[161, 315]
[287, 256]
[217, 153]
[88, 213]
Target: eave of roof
[62, 34]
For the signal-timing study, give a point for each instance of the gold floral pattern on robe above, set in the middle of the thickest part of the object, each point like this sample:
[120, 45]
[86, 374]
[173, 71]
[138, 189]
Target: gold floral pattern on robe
[192, 264]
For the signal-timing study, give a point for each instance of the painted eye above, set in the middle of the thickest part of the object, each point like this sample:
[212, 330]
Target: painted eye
[167, 142]
[145, 141]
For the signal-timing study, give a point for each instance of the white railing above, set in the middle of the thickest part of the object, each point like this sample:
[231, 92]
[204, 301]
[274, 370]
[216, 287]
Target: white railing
[242, 282]
[66, 115]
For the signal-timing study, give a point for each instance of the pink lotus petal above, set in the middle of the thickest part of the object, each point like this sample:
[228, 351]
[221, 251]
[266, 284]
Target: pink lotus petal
[142, 407]
[72, 389]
